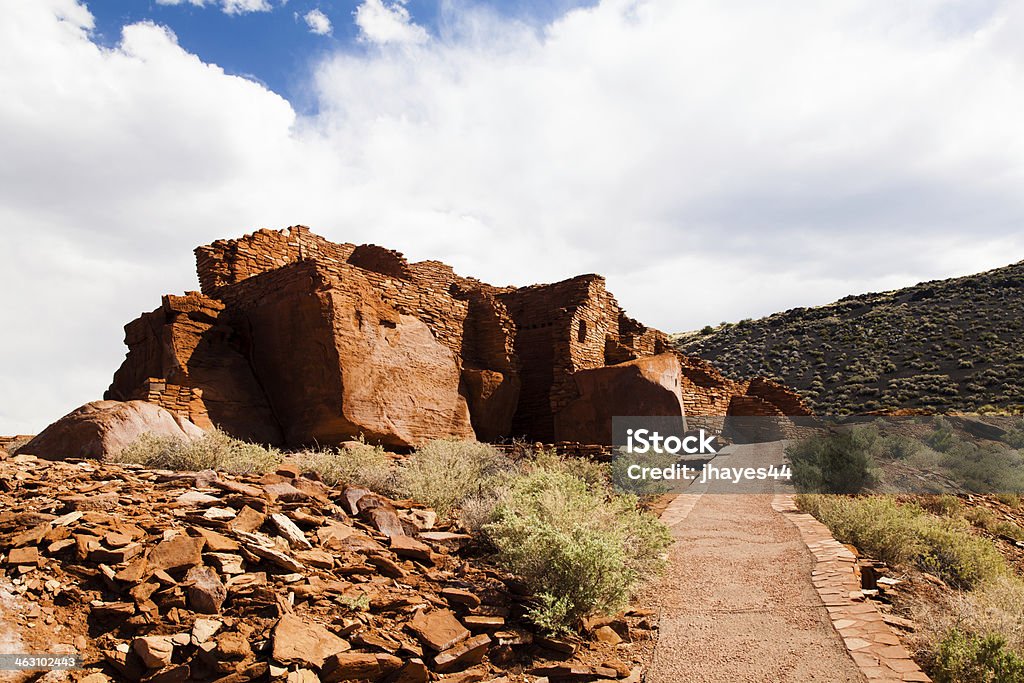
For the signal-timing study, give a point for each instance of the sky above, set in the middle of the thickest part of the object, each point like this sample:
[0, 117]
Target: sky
[714, 159]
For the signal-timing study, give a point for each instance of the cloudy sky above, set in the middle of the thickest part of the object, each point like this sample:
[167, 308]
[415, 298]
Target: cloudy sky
[715, 159]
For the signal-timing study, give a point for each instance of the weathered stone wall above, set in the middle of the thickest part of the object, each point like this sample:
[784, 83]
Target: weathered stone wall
[548, 346]
[785, 400]
[226, 262]
[185, 402]
[706, 392]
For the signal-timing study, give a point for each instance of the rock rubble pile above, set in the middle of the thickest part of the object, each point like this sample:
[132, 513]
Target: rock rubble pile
[164, 576]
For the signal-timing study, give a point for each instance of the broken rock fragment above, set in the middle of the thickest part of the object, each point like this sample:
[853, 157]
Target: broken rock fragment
[290, 532]
[299, 642]
[438, 629]
[464, 654]
[405, 546]
[154, 651]
[179, 552]
[206, 592]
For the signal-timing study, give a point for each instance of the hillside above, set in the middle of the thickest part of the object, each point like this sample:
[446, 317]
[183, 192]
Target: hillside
[944, 345]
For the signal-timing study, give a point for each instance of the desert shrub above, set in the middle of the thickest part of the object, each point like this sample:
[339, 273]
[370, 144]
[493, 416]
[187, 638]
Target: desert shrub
[359, 465]
[949, 550]
[1007, 529]
[445, 473]
[1012, 499]
[878, 526]
[990, 522]
[986, 468]
[995, 607]
[942, 438]
[1015, 438]
[594, 474]
[838, 462]
[580, 549]
[905, 534]
[944, 505]
[477, 511]
[899, 447]
[982, 517]
[213, 451]
[972, 658]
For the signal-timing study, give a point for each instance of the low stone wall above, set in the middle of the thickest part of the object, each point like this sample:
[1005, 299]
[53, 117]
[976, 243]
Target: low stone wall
[186, 402]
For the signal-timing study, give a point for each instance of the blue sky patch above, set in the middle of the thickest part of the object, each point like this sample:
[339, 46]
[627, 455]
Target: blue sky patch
[279, 47]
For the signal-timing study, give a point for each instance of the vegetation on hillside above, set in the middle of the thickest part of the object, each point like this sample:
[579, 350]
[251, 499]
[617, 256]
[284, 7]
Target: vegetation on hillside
[945, 345]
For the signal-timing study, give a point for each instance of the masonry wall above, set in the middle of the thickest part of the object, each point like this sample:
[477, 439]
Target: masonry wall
[549, 348]
[186, 402]
[227, 262]
[786, 401]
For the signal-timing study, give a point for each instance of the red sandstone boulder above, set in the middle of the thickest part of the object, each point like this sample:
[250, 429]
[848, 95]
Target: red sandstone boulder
[338, 362]
[645, 386]
[103, 428]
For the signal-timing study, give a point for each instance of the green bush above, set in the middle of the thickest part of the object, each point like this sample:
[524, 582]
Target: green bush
[213, 451]
[942, 438]
[445, 473]
[971, 658]
[949, 550]
[899, 447]
[982, 517]
[901, 534]
[1007, 529]
[580, 549]
[838, 462]
[878, 526]
[1015, 438]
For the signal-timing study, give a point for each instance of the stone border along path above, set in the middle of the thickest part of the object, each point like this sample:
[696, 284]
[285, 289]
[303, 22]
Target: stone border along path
[756, 596]
[873, 645]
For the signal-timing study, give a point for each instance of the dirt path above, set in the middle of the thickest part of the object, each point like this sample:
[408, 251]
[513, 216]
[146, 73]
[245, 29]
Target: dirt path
[738, 603]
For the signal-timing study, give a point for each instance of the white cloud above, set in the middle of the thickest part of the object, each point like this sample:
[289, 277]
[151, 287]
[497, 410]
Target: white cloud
[385, 23]
[714, 162]
[318, 22]
[245, 6]
[227, 6]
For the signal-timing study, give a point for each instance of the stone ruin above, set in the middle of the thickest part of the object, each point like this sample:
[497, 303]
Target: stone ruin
[295, 341]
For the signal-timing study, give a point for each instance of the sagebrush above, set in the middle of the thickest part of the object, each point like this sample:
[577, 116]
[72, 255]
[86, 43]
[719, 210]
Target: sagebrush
[903, 533]
[581, 549]
[215, 450]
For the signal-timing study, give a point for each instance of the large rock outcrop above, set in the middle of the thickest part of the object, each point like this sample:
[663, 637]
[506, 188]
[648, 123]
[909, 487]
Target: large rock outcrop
[338, 361]
[643, 387]
[295, 340]
[103, 428]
